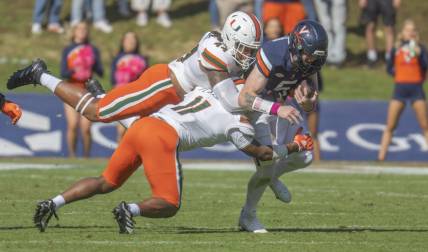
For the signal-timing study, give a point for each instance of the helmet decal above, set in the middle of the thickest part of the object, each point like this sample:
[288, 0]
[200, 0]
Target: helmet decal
[304, 30]
[256, 25]
[242, 35]
[235, 28]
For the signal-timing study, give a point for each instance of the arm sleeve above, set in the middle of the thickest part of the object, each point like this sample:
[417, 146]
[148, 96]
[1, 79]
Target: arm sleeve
[227, 94]
[240, 134]
[98, 66]
[390, 66]
[263, 63]
[239, 139]
[65, 72]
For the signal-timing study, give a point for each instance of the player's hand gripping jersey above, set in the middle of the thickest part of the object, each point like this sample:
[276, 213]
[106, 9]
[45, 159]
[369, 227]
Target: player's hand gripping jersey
[209, 55]
[201, 121]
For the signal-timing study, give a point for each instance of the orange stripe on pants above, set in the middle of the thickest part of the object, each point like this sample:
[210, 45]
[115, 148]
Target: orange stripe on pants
[154, 143]
[139, 98]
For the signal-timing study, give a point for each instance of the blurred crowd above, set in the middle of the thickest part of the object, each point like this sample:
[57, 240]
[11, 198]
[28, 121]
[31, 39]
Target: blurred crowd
[278, 17]
[95, 11]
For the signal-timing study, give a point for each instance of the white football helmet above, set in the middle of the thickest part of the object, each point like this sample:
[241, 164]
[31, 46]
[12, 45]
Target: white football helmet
[242, 34]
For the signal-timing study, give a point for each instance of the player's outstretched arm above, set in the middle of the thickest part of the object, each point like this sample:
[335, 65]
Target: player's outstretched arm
[10, 109]
[300, 143]
[224, 88]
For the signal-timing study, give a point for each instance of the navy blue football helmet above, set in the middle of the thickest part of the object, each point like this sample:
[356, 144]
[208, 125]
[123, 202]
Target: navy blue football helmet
[308, 38]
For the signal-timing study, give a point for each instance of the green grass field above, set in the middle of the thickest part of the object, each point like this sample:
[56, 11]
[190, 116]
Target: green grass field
[329, 212]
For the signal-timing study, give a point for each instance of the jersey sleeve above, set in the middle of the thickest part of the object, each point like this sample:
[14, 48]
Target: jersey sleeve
[263, 63]
[213, 57]
[241, 134]
[239, 139]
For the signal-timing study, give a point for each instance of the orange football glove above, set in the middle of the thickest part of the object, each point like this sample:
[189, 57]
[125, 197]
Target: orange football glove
[304, 141]
[12, 110]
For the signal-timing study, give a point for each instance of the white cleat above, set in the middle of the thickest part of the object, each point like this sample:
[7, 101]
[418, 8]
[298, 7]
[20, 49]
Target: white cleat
[280, 190]
[248, 222]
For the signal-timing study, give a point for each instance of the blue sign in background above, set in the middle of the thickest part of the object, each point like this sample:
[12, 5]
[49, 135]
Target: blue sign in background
[349, 130]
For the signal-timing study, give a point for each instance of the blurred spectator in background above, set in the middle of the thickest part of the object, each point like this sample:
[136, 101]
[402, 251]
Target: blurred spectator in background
[289, 12]
[214, 16]
[54, 10]
[98, 12]
[258, 9]
[161, 7]
[127, 66]
[311, 12]
[226, 7]
[123, 7]
[408, 64]
[371, 9]
[332, 15]
[272, 30]
[79, 61]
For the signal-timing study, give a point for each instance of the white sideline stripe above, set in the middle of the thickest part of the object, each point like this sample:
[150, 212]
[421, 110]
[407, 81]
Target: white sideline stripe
[22, 166]
[350, 169]
[240, 166]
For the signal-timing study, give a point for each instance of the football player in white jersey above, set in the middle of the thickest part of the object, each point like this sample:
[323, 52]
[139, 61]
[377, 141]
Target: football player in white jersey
[212, 63]
[216, 59]
[198, 121]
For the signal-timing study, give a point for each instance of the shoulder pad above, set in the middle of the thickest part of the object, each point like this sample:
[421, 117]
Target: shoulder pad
[214, 56]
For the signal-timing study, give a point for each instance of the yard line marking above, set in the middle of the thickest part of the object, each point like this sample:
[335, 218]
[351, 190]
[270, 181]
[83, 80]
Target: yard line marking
[248, 166]
[180, 242]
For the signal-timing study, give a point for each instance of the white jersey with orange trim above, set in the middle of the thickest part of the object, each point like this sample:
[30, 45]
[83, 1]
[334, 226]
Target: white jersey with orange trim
[201, 121]
[210, 53]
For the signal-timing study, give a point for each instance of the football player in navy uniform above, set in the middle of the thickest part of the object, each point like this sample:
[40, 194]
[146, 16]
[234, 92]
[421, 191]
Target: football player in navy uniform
[285, 67]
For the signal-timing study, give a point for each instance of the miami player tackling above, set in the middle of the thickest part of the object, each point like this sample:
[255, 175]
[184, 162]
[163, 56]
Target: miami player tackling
[199, 120]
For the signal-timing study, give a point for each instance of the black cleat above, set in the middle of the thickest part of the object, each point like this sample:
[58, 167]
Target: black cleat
[94, 87]
[44, 211]
[28, 75]
[124, 219]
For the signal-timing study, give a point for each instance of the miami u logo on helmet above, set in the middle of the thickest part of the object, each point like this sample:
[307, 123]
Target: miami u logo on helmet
[234, 28]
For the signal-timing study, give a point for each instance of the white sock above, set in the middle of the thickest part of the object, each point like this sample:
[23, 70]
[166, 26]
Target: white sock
[59, 201]
[135, 209]
[254, 193]
[255, 188]
[129, 121]
[49, 81]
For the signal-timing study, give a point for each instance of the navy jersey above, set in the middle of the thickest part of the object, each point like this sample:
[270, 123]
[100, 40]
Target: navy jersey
[274, 62]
